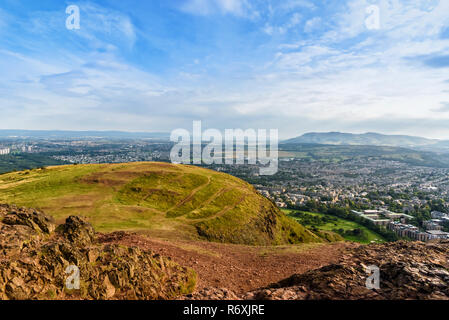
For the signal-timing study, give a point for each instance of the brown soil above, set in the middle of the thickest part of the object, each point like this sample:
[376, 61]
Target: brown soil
[236, 267]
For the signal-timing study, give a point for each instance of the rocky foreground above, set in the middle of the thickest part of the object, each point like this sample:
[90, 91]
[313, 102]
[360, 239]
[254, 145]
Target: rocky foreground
[35, 255]
[37, 258]
[408, 270]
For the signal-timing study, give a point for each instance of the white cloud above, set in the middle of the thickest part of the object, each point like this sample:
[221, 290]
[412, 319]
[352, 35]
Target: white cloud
[374, 78]
[206, 7]
[347, 78]
[268, 29]
[102, 27]
[312, 25]
[377, 81]
[293, 22]
[295, 4]
[4, 20]
[231, 6]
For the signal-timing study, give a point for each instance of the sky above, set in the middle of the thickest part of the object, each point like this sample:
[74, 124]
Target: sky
[293, 65]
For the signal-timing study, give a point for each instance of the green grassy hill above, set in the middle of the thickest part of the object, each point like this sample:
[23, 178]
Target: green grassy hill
[161, 199]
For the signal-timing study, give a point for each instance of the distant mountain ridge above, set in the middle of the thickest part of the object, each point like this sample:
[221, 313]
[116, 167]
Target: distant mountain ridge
[369, 138]
[68, 134]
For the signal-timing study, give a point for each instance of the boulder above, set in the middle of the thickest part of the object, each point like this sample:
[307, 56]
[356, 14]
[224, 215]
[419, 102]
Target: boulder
[32, 218]
[78, 231]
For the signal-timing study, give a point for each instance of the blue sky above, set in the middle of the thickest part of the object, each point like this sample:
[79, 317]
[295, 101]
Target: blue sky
[295, 65]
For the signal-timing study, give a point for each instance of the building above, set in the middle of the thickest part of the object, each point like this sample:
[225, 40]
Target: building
[281, 204]
[393, 215]
[412, 232]
[380, 222]
[27, 149]
[422, 236]
[438, 214]
[372, 212]
[5, 151]
[432, 225]
[437, 234]
[382, 217]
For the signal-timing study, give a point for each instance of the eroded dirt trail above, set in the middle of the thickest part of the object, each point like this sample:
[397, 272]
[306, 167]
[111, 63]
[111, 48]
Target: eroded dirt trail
[237, 267]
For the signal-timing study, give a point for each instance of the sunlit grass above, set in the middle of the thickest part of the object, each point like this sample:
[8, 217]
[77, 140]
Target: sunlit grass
[158, 198]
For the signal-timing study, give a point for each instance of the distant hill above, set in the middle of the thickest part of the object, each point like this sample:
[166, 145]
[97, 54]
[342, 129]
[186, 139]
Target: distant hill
[369, 139]
[65, 134]
[160, 199]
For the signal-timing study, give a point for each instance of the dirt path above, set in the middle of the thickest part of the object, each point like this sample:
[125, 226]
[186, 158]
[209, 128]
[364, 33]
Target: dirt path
[236, 267]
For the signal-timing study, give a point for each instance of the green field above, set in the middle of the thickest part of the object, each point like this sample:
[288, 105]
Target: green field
[334, 225]
[161, 199]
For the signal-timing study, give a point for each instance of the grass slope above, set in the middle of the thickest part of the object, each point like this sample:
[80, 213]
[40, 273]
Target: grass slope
[166, 200]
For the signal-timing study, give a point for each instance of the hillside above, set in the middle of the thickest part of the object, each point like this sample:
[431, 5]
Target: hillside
[160, 199]
[370, 138]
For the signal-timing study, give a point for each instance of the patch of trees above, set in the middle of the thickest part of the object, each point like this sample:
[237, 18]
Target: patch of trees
[357, 232]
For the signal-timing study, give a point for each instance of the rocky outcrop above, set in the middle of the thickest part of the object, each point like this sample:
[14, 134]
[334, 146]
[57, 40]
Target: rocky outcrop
[407, 270]
[27, 217]
[77, 231]
[40, 261]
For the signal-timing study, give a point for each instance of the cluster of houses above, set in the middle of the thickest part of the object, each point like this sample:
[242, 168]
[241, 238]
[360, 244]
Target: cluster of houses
[4, 151]
[397, 222]
[282, 197]
[382, 217]
[28, 149]
[437, 221]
